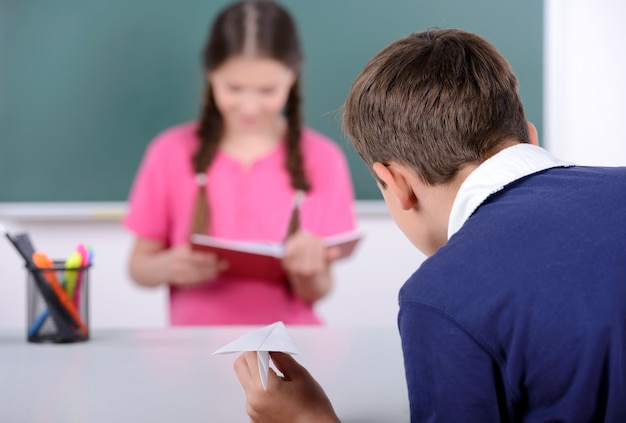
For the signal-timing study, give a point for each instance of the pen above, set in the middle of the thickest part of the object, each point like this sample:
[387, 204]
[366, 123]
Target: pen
[15, 244]
[24, 247]
[43, 262]
[72, 263]
[42, 317]
[294, 219]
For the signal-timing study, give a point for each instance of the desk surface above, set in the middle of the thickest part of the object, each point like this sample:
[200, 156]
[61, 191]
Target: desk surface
[170, 375]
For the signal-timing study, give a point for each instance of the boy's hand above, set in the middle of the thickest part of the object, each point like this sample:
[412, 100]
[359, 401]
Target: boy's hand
[296, 397]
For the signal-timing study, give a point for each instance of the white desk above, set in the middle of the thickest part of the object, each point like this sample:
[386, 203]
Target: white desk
[170, 375]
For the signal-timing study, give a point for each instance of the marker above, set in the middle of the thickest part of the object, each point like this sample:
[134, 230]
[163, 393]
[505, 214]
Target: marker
[43, 262]
[74, 261]
[87, 255]
[72, 264]
[38, 323]
[25, 248]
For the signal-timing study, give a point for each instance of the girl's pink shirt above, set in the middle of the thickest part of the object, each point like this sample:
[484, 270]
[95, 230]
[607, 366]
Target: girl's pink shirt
[252, 204]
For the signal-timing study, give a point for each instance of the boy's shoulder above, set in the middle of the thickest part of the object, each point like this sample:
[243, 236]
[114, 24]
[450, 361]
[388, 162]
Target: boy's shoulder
[523, 238]
[470, 267]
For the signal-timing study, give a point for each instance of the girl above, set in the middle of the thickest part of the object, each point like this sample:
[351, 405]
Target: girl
[246, 170]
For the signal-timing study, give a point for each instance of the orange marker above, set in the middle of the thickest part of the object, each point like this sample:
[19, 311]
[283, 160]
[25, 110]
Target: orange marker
[42, 261]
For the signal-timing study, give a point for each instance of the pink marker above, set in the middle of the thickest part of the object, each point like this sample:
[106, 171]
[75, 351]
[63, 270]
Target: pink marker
[86, 260]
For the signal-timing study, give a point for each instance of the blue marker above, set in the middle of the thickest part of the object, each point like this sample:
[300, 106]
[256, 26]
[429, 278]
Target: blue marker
[38, 323]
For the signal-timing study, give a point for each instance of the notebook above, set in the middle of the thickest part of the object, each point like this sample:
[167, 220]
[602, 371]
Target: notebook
[262, 260]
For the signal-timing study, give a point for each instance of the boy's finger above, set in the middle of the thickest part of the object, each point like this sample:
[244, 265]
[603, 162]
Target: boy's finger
[273, 378]
[286, 364]
[246, 369]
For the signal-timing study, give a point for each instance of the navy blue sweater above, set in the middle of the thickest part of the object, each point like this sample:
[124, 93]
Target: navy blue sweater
[521, 316]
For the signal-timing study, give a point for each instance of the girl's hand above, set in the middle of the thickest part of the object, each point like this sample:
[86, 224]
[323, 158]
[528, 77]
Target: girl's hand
[296, 397]
[188, 268]
[307, 263]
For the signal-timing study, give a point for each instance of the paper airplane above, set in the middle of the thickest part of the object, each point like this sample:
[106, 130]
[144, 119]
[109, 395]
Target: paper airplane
[269, 338]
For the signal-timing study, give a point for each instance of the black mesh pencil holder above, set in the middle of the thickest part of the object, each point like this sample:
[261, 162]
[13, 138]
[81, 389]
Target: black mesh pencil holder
[58, 303]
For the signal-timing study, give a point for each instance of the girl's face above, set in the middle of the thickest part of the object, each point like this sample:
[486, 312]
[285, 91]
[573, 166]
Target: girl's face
[250, 92]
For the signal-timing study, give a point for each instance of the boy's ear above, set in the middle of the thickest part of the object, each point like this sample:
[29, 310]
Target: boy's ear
[397, 178]
[532, 134]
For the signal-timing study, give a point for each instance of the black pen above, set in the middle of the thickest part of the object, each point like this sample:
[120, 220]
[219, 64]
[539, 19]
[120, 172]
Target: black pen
[12, 240]
[59, 315]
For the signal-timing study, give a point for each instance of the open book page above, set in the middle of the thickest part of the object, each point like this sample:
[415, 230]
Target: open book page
[261, 260]
[346, 241]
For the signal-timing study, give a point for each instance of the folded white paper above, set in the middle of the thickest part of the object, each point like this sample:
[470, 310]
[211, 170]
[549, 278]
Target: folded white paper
[274, 337]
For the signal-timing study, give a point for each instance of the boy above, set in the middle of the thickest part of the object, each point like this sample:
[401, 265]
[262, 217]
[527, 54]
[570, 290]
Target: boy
[519, 313]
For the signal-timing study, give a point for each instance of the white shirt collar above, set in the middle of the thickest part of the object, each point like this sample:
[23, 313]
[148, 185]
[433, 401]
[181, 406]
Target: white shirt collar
[495, 173]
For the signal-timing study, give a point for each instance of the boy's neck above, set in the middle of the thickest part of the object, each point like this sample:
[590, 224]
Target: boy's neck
[450, 190]
[441, 198]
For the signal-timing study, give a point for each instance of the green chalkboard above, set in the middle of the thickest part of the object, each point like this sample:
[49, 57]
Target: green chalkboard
[86, 84]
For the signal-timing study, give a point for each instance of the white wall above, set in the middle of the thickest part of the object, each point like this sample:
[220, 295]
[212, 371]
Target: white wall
[365, 293]
[585, 84]
[585, 107]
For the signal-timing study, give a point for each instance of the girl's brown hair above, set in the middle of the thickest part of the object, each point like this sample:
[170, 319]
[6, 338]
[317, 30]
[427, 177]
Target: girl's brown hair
[434, 101]
[266, 30]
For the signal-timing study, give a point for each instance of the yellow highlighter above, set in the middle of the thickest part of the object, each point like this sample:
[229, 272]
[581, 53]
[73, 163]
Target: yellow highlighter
[72, 264]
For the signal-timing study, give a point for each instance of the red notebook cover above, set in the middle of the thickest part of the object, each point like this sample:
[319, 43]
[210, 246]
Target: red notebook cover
[262, 260]
[245, 259]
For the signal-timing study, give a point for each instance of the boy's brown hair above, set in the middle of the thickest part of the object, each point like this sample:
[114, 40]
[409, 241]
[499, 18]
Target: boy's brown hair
[434, 101]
